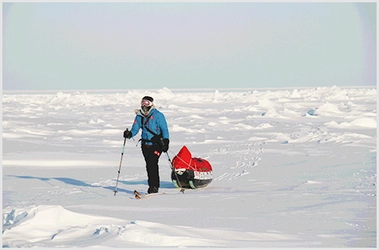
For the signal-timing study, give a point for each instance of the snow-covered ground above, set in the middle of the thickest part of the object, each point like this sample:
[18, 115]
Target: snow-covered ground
[292, 168]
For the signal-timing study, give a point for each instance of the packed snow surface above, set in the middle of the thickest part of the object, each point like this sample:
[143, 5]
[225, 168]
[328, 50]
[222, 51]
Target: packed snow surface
[291, 168]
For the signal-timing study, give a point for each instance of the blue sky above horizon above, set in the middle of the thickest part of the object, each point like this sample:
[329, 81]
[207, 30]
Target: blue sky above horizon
[128, 45]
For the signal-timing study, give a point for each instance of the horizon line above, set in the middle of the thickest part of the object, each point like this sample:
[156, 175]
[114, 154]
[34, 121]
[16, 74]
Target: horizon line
[184, 89]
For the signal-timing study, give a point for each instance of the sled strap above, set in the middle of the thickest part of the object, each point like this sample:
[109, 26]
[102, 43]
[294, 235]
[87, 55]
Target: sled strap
[188, 164]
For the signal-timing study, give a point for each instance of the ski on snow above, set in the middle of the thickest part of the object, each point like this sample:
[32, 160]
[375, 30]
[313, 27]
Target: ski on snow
[140, 196]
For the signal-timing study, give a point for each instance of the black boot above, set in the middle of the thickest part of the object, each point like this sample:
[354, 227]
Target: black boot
[152, 190]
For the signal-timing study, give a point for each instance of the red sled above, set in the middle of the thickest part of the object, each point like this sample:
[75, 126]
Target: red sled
[190, 172]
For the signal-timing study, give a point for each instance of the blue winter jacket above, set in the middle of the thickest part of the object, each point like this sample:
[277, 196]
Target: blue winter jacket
[156, 122]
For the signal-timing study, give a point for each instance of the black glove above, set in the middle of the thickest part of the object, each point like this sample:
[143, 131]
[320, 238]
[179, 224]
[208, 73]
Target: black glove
[127, 134]
[165, 143]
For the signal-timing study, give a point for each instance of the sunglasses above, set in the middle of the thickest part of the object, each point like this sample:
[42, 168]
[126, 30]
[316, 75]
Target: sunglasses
[146, 103]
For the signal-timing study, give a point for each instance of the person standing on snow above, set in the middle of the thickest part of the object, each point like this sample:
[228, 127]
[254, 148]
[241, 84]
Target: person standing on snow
[154, 138]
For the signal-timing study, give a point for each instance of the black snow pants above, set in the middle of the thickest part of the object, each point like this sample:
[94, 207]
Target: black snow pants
[151, 154]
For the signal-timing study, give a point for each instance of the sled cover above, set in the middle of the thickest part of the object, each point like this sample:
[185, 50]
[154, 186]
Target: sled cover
[184, 160]
[190, 172]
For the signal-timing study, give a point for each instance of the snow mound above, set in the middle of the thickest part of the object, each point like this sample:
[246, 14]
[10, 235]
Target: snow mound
[165, 93]
[48, 226]
[327, 109]
[357, 123]
[364, 122]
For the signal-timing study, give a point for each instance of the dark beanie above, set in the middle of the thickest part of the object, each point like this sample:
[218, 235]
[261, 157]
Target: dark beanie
[149, 98]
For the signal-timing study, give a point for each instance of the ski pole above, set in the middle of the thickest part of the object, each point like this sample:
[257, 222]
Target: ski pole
[176, 176]
[119, 169]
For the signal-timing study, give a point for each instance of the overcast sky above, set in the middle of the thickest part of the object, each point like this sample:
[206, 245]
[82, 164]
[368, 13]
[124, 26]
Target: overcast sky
[125, 45]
